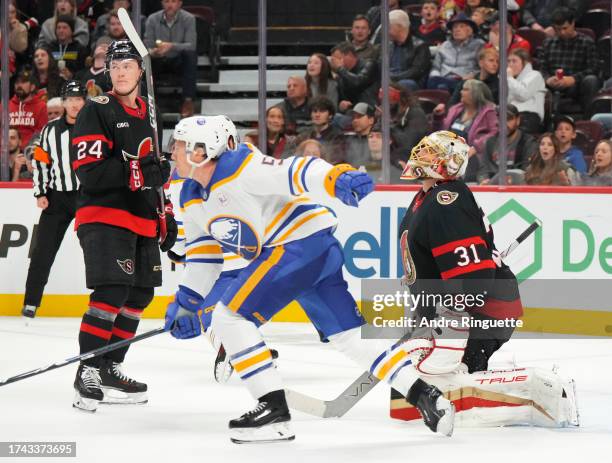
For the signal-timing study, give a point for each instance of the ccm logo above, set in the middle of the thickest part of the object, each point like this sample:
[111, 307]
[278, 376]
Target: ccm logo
[123, 125]
[514, 379]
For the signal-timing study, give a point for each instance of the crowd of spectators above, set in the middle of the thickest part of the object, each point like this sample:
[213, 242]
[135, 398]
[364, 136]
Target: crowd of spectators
[451, 48]
[44, 52]
[444, 66]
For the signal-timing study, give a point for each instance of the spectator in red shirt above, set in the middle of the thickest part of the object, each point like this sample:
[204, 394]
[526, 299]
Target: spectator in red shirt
[512, 39]
[430, 30]
[27, 112]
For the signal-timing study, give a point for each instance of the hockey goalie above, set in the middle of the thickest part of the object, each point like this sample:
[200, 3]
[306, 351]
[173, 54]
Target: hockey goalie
[448, 248]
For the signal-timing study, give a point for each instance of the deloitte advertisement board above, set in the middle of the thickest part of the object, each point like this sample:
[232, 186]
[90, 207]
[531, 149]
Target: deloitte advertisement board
[574, 243]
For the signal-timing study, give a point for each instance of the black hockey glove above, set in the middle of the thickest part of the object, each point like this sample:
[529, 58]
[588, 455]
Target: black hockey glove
[171, 233]
[154, 173]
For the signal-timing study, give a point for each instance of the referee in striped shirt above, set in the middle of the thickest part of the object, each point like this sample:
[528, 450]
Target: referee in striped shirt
[55, 189]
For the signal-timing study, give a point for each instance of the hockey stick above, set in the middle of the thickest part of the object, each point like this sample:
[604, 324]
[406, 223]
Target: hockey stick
[366, 381]
[130, 31]
[85, 356]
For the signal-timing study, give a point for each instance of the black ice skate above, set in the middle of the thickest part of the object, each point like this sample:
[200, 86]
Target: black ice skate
[438, 412]
[119, 388]
[224, 369]
[87, 389]
[29, 311]
[268, 422]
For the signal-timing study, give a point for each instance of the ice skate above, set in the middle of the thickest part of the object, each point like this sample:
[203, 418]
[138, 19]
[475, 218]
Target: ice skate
[119, 388]
[437, 411]
[269, 421]
[87, 389]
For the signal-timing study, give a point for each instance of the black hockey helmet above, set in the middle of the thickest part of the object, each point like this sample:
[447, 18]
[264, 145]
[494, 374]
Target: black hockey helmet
[121, 49]
[73, 88]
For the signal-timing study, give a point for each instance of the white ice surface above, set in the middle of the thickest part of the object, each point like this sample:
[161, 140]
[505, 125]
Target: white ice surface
[186, 417]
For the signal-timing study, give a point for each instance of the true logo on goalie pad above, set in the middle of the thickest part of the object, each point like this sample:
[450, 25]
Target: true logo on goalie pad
[446, 197]
[127, 266]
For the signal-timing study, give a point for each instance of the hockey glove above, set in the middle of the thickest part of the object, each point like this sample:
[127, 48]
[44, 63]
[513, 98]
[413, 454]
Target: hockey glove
[154, 173]
[171, 229]
[182, 314]
[353, 186]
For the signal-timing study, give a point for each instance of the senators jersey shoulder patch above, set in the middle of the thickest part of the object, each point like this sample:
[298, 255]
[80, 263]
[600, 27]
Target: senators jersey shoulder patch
[446, 197]
[102, 99]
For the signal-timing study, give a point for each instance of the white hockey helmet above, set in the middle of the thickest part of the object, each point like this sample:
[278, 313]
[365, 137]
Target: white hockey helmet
[442, 155]
[215, 134]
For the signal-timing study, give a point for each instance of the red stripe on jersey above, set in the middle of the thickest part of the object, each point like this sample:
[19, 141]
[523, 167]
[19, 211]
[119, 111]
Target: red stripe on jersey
[488, 263]
[118, 218]
[122, 333]
[496, 308]
[103, 306]
[77, 140]
[99, 332]
[450, 247]
[86, 160]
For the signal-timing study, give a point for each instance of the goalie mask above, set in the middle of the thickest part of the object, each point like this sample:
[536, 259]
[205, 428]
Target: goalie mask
[442, 155]
[214, 134]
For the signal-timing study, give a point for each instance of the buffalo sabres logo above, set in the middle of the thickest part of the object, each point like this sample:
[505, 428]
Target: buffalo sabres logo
[102, 99]
[446, 197]
[127, 266]
[235, 235]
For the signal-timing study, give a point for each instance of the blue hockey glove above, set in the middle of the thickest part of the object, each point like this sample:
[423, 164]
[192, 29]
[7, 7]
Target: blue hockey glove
[182, 314]
[353, 186]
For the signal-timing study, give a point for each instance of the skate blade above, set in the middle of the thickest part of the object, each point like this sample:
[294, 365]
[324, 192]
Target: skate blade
[223, 372]
[84, 404]
[446, 424]
[271, 433]
[116, 397]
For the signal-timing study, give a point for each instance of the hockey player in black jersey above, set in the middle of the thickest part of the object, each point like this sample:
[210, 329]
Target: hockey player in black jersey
[117, 224]
[55, 189]
[447, 246]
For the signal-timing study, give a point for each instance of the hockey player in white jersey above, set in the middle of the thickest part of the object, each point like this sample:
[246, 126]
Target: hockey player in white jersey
[256, 207]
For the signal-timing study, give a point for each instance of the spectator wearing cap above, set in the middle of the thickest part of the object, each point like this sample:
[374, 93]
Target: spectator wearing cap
[295, 105]
[170, 36]
[430, 29]
[456, 58]
[27, 112]
[80, 29]
[357, 150]
[69, 54]
[513, 40]
[360, 38]
[357, 79]
[329, 136]
[519, 147]
[103, 23]
[95, 80]
[409, 59]
[473, 118]
[55, 108]
[569, 62]
[319, 78]
[565, 133]
[46, 73]
[488, 62]
[526, 90]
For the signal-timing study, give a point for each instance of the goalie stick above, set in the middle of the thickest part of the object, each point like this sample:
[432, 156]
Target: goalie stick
[366, 382]
[130, 31]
